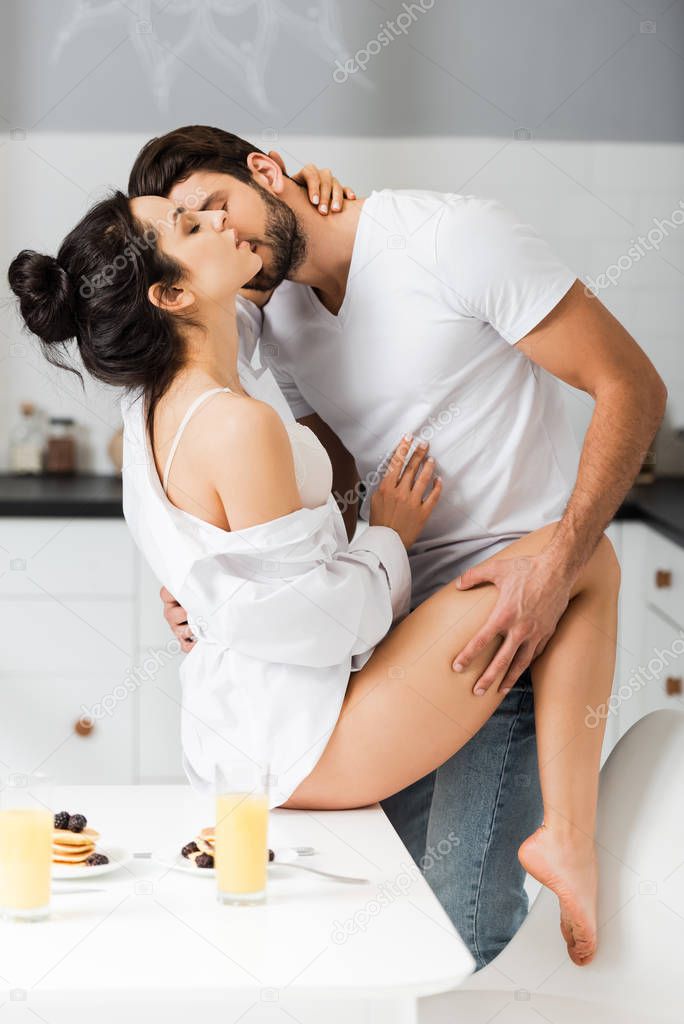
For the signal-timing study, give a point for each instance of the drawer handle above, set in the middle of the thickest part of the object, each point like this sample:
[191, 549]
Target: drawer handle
[673, 686]
[663, 578]
[84, 726]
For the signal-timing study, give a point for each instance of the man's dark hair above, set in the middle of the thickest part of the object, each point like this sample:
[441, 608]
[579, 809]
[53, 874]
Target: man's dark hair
[164, 161]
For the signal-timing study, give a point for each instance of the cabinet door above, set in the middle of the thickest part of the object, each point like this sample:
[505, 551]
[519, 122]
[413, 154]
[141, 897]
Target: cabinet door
[92, 637]
[66, 557]
[159, 695]
[661, 680]
[159, 706]
[42, 727]
[664, 577]
[67, 600]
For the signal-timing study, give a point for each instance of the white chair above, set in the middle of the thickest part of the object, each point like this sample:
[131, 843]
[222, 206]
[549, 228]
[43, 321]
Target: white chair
[637, 976]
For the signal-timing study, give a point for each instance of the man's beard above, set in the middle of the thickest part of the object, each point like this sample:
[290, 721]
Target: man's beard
[285, 239]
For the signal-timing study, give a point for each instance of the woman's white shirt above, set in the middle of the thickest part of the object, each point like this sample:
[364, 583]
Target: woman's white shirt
[283, 611]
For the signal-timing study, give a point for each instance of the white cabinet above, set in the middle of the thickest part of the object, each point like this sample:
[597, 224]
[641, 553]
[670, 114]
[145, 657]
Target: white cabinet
[42, 723]
[663, 673]
[159, 696]
[650, 663]
[89, 687]
[57, 557]
[68, 607]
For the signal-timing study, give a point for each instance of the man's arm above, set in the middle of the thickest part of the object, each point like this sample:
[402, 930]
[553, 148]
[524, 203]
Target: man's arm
[581, 343]
[345, 474]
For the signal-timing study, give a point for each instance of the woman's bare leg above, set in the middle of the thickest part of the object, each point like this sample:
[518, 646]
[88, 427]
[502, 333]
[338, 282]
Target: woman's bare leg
[561, 854]
[406, 712]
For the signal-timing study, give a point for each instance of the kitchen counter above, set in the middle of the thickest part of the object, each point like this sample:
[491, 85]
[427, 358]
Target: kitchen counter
[660, 504]
[154, 942]
[82, 496]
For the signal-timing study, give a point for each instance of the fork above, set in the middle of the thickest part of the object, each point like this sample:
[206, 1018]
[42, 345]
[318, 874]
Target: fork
[348, 879]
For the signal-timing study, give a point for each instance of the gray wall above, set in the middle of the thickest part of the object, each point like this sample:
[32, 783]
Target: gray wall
[575, 69]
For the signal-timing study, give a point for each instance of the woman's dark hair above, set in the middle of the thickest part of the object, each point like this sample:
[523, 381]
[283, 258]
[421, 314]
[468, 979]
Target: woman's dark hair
[95, 291]
[164, 161]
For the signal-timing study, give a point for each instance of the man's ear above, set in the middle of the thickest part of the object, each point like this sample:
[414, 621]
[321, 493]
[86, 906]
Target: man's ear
[170, 299]
[267, 171]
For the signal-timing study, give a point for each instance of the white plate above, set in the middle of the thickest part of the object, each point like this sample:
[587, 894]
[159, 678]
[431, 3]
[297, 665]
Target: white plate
[171, 857]
[118, 857]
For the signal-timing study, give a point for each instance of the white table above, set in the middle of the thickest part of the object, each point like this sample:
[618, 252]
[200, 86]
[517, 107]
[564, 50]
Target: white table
[157, 942]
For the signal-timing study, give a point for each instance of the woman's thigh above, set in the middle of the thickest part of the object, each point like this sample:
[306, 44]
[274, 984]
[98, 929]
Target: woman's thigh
[406, 712]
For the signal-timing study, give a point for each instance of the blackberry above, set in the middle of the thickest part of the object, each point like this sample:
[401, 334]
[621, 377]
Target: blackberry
[62, 820]
[97, 858]
[271, 856]
[205, 860]
[77, 822]
[190, 848]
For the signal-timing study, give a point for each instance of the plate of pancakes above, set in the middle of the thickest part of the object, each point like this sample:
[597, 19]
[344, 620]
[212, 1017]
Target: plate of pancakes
[76, 852]
[197, 857]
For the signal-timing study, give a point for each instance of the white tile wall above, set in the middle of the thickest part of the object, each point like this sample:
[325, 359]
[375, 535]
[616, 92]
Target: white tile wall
[591, 200]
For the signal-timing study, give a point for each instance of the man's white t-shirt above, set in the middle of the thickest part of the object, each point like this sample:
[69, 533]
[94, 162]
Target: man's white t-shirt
[440, 288]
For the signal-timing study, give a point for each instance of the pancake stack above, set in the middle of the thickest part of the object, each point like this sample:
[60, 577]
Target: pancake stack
[201, 850]
[73, 847]
[74, 843]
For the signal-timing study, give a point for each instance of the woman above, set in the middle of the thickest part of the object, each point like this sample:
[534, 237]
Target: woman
[230, 501]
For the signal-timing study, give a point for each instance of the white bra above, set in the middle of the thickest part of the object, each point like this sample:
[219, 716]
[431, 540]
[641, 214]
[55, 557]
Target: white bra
[313, 469]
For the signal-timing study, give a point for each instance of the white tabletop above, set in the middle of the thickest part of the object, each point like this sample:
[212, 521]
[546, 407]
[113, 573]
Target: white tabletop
[155, 930]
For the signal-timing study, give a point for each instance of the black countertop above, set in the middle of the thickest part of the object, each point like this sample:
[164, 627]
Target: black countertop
[83, 495]
[660, 504]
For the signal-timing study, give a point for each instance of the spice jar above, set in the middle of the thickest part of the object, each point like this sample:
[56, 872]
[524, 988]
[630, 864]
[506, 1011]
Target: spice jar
[26, 442]
[60, 452]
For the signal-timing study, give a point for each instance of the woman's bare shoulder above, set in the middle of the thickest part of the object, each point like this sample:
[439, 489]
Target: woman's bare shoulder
[245, 453]
[241, 420]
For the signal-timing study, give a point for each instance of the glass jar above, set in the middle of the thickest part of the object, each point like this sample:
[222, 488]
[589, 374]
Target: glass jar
[26, 442]
[60, 452]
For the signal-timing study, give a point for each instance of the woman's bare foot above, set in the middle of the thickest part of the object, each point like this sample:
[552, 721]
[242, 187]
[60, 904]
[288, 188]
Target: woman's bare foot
[566, 863]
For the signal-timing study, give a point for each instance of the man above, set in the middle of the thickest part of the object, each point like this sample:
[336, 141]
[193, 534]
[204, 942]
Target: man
[443, 316]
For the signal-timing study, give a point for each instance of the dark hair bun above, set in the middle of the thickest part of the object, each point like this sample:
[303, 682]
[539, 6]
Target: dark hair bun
[46, 295]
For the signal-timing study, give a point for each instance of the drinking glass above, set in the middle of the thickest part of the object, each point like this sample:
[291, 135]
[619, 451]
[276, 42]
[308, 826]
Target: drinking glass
[26, 824]
[240, 850]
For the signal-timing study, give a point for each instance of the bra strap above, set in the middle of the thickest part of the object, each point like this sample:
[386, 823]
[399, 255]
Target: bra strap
[194, 406]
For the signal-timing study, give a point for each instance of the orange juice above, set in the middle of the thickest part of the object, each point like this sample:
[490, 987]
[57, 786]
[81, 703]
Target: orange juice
[240, 853]
[25, 860]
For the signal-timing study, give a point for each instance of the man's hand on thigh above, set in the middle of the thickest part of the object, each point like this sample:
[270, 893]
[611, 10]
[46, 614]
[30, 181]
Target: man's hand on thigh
[533, 594]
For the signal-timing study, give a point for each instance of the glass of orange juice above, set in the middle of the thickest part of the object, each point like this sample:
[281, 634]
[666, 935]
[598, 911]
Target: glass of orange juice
[240, 851]
[26, 824]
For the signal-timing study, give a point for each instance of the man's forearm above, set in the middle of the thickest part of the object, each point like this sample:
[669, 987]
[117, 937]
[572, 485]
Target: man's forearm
[625, 420]
[345, 485]
[346, 494]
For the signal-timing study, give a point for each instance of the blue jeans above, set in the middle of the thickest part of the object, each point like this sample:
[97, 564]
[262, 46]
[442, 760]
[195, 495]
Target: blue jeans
[464, 822]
